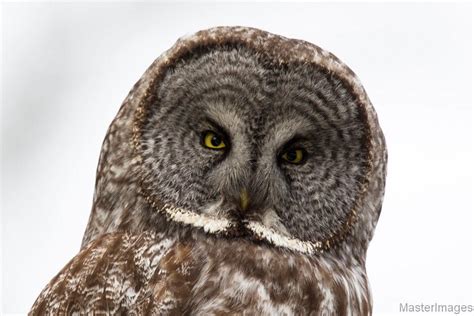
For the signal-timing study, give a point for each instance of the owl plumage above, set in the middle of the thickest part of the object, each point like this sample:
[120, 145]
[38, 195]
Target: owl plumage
[244, 173]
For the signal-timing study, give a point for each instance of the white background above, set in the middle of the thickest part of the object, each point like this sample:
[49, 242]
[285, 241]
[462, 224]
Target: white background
[67, 67]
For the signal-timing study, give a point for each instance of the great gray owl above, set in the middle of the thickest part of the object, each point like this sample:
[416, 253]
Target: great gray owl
[243, 174]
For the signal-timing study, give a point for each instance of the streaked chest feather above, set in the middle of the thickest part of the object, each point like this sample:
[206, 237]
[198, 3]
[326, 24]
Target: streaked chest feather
[122, 273]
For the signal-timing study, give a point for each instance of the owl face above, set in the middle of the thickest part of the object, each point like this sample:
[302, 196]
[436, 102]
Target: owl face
[262, 147]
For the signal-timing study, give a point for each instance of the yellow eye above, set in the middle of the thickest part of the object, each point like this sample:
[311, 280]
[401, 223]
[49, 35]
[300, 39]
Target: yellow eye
[213, 141]
[293, 156]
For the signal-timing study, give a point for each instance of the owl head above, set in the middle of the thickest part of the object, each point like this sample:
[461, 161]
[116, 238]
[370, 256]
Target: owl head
[239, 133]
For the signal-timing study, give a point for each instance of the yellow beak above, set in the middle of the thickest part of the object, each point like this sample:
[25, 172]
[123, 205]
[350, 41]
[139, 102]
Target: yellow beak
[244, 199]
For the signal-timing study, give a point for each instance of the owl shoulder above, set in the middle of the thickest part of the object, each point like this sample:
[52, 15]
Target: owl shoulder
[120, 273]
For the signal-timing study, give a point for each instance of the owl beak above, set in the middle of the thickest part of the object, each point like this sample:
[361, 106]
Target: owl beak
[244, 199]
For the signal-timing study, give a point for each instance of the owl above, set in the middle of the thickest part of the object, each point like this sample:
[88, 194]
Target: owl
[243, 174]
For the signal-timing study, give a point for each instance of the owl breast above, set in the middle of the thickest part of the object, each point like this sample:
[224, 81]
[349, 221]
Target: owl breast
[148, 274]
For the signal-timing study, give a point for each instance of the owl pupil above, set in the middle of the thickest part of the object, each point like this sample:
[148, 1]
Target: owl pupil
[216, 140]
[291, 155]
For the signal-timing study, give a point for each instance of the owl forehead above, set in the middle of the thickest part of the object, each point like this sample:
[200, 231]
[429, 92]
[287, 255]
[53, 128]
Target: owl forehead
[244, 91]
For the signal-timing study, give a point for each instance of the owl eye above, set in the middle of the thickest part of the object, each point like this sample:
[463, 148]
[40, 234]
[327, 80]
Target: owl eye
[213, 140]
[294, 156]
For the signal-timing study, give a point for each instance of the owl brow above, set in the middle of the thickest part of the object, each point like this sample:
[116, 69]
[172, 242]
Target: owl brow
[293, 141]
[218, 128]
